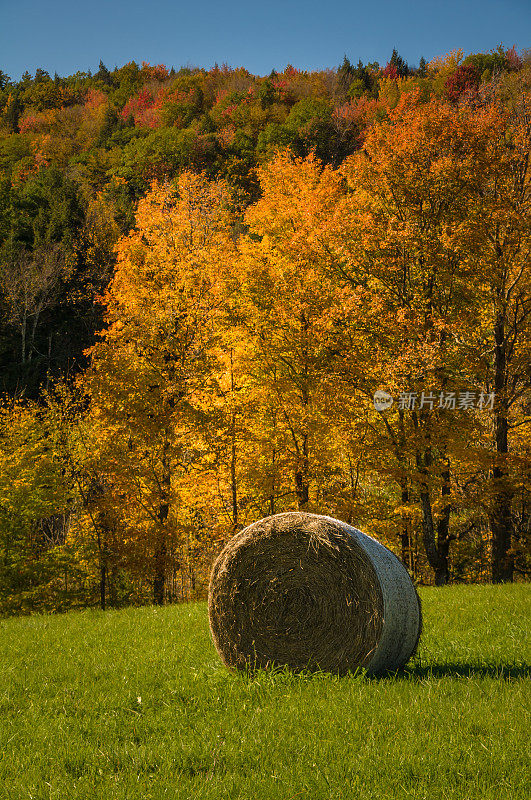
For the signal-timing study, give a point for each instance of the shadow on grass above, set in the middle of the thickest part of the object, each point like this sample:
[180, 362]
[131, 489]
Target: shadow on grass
[463, 670]
[414, 672]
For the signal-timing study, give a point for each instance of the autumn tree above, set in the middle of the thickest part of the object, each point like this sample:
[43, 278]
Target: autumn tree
[36, 501]
[410, 194]
[151, 370]
[496, 242]
[30, 284]
[286, 308]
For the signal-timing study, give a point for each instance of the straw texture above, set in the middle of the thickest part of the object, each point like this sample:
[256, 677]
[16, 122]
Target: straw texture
[310, 592]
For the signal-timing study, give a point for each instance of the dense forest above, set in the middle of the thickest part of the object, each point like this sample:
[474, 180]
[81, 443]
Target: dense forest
[206, 275]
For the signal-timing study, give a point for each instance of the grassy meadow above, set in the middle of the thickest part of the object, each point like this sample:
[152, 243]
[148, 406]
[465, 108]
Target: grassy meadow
[136, 704]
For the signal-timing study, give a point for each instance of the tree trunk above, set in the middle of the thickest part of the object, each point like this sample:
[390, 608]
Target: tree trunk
[31, 348]
[159, 581]
[233, 453]
[405, 539]
[435, 536]
[436, 549]
[302, 478]
[442, 572]
[233, 479]
[113, 597]
[441, 569]
[103, 585]
[161, 549]
[302, 483]
[400, 450]
[501, 523]
[272, 495]
[23, 338]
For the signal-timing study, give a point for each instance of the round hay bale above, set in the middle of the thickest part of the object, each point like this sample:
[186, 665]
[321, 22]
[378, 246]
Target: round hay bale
[310, 592]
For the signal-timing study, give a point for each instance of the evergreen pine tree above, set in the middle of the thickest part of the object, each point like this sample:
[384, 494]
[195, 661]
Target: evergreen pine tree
[397, 61]
[12, 113]
[41, 76]
[103, 74]
[345, 74]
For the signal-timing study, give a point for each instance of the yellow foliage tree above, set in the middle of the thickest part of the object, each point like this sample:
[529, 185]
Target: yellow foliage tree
[152, 375]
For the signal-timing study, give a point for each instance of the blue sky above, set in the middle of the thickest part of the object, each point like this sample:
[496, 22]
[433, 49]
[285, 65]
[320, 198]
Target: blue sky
[65, 37]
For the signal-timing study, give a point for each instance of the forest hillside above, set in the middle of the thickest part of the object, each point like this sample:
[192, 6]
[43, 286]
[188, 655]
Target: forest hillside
[225, 295]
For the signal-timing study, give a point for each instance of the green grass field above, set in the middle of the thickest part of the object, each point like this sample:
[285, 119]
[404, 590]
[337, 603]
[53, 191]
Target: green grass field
[136, 704]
